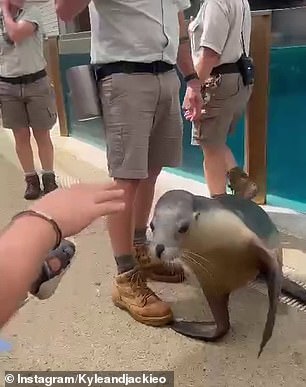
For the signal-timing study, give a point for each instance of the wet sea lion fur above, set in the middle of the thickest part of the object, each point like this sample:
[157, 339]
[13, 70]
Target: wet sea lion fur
[227, 242]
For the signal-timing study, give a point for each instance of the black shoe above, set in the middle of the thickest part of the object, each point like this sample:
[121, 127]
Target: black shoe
[49, 182]
[33, 190]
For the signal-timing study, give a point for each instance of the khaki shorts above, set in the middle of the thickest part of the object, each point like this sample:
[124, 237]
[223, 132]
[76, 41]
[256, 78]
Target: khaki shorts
[29, 105]
[143, 123]
[224, 106]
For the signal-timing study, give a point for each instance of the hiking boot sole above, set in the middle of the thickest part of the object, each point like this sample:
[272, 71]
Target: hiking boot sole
[152, 321]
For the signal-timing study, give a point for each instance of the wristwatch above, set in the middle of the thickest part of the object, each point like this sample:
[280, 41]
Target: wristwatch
[190, 77]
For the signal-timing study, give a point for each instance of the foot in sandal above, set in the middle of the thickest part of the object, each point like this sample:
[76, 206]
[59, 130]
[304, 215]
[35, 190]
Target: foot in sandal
[54, 267]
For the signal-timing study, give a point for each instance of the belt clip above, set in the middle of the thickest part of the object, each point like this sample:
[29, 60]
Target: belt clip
[213, 82]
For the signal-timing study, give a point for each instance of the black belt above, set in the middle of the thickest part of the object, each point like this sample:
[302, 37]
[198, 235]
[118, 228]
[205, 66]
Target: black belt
[25, 79]
[157, 67]
[226, 68]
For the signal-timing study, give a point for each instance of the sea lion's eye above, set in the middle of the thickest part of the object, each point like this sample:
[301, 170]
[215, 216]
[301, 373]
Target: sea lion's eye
[152, 226]
[184, 228]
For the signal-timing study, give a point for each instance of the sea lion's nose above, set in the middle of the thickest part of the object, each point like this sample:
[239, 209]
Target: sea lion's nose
[159, 250]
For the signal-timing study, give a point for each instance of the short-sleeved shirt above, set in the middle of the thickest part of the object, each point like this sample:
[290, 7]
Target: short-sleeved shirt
[26, 57]
[135, 30]
[218, 25]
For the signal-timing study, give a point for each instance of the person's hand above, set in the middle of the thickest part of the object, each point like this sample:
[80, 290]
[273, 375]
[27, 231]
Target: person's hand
[193, 101]
[75, 208]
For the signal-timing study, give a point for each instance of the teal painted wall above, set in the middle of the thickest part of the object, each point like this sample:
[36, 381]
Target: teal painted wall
[286, 128]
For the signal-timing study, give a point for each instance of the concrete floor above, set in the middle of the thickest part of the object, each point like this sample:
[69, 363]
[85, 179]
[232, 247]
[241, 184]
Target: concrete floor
[80, 329]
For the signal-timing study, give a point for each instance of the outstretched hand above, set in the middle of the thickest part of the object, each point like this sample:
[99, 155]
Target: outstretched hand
[75, 208]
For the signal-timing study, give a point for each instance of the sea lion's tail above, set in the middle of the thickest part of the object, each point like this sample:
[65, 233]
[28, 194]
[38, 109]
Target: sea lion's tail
[272, 272]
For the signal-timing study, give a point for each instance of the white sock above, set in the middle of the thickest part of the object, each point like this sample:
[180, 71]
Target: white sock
[33, 173]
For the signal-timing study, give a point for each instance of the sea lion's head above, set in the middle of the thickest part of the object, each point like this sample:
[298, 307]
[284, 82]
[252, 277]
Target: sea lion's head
[172, 217]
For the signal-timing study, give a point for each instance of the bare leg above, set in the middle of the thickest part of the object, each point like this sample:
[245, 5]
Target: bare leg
[120, 226]
[46, 156]
[26, 159]
[215, 168]
[230, 161]
[45, 149]
[204, 330]
[144, 199]
[24, 149]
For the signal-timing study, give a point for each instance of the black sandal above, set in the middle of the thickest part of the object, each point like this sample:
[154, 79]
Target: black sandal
[49, 280]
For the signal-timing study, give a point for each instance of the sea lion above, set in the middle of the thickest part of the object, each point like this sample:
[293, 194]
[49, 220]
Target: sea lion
[227, 241]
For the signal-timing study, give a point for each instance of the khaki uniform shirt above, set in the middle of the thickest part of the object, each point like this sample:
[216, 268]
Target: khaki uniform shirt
[26, 57]
[135, 30]
[218, 25]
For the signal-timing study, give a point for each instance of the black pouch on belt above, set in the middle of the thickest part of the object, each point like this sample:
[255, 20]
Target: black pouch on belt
[247, 70]
[245, 63]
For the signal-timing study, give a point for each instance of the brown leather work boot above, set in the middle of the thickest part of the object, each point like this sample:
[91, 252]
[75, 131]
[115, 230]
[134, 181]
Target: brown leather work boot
[33, 190]
[241, 184]
[158, 270]
[131, 293]
[49, 182]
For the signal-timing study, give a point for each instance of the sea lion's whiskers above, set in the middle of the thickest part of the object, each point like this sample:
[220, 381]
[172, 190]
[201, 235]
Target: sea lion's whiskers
[204, 269]
[201, 257]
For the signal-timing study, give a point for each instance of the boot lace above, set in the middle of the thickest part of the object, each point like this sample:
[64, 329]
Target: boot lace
[139, 285]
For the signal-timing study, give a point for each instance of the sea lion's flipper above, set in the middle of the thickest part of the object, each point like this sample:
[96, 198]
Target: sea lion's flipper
[290, 288]
[272, 272]
[207, 331]
[293, 289]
